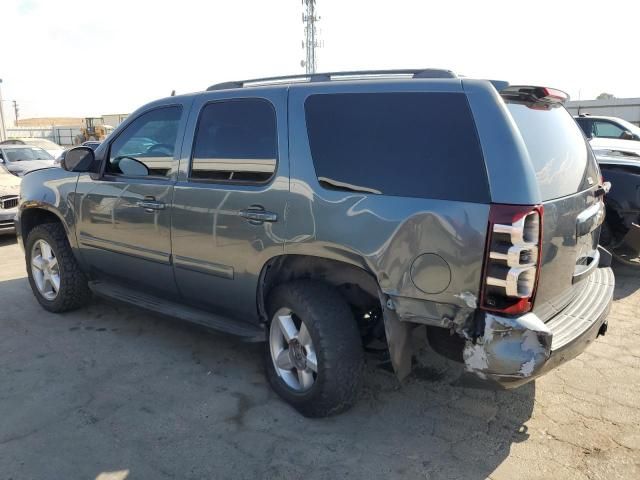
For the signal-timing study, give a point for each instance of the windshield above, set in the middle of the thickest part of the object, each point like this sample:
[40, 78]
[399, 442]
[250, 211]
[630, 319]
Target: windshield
[25, 154]
[558, 151]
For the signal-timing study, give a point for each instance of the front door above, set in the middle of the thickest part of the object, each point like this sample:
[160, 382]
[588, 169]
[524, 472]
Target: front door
[228, 215]
[124, 217]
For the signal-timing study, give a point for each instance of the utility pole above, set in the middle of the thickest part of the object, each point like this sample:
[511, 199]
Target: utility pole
[310, 43]
[3, 131]
[16, 109]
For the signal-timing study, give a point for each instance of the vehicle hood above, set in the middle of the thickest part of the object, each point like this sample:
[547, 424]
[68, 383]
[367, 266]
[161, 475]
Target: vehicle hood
[20, 168]
[632, 146]
[9, 184]
[54, 152]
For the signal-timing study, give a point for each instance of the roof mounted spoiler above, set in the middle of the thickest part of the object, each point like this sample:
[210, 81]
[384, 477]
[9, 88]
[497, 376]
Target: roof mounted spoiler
[329, 76]
[534, 94]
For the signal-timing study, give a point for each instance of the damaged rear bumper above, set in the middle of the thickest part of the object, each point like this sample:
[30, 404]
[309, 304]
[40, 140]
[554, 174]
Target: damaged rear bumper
[514, 351]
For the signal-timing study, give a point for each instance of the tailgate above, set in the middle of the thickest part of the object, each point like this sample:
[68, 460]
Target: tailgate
[568, 178]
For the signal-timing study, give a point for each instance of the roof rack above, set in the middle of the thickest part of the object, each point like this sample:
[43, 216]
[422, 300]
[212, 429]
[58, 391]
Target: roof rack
[328, 76]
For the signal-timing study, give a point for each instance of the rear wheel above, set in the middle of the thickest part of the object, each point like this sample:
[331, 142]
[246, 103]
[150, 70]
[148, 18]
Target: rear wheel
[54, 275]
[314, 354]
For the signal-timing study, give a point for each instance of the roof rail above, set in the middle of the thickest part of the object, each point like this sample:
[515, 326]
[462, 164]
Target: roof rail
[328, 76]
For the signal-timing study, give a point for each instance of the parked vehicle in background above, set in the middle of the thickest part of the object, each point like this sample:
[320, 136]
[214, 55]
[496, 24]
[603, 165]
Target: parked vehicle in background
[92, 144]
[322, 213]
[621, 230]
[21, 159]
[9, 194]
[50, 147]
[610, 133]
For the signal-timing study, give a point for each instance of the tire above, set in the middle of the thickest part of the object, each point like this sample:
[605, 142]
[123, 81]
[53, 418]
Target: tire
[335, 340]
[73, 291]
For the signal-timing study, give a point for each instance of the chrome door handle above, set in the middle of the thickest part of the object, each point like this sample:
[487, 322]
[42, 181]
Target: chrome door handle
[258, 216]
[150, 205]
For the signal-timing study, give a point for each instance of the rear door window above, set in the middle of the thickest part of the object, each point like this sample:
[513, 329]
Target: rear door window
[562, 161]
[236, 142]
[401, 144]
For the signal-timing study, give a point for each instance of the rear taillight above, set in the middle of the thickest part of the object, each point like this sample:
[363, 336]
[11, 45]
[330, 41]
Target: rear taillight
[512, 262]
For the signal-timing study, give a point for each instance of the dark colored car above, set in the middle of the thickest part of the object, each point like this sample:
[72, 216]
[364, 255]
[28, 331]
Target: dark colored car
[621, 231]
[319, 214]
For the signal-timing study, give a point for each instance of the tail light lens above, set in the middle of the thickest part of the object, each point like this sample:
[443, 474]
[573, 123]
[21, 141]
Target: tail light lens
[512, 261]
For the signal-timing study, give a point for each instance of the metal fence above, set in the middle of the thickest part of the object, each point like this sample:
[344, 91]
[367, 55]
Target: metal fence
[63, 136]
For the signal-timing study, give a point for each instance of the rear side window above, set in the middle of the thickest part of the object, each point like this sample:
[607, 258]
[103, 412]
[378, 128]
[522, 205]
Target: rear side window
[400, 144]
[236, 141]
[561, 159]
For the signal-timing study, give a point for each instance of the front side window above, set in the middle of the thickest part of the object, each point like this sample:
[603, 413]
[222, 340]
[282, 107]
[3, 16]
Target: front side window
[150, 139]
[607, 129]
[236, 141]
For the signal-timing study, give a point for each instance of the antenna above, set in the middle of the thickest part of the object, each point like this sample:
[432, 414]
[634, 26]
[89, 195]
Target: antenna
[309, 44]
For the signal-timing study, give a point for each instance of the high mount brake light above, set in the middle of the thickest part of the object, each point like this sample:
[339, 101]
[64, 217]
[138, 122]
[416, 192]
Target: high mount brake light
[512, 260]
[535, 94]
[554, 94]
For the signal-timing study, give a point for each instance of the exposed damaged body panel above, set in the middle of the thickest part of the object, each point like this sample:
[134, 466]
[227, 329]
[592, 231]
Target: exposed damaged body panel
[622, 232]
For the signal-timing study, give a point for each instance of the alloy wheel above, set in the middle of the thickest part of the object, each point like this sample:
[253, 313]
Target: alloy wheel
[292, 351]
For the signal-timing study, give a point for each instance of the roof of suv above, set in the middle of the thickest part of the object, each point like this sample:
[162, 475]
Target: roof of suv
[332, 76]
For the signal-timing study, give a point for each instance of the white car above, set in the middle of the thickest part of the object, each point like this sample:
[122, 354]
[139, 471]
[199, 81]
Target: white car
[610, 133]
[9, 194]
[50, 147]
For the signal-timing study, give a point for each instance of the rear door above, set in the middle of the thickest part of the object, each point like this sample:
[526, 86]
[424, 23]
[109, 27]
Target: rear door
[229, 203]
[124, 215]
[568, 178]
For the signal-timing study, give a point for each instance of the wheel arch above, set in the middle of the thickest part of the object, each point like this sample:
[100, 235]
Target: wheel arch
[357, 284]
[37, 215]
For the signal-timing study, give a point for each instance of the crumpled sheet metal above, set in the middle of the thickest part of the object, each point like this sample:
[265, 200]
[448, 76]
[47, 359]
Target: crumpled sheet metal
[509, 347]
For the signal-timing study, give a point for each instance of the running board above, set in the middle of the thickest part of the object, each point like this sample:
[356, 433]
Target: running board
[250, 333]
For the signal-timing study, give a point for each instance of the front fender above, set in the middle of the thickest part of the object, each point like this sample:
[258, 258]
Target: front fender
[50, 192]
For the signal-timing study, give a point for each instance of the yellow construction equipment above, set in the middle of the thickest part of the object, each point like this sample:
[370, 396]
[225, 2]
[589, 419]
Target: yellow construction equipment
[92, 129]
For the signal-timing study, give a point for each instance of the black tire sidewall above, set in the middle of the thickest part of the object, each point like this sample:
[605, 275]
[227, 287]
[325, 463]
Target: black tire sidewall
[35, 235]
[337, 335]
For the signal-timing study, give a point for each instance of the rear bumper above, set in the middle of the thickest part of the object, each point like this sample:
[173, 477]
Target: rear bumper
[514, 351]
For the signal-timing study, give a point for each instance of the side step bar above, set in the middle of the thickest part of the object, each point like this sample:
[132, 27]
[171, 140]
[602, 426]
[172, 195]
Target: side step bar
[249, 332]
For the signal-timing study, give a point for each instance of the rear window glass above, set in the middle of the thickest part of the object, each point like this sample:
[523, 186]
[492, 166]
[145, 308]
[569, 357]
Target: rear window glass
[562, 161]
[401, 144]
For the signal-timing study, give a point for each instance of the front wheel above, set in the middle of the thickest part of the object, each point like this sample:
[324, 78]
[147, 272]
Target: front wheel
[314, 355]
[54, 274]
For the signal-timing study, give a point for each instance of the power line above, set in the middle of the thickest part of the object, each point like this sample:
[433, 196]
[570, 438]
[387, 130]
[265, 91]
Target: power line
[310, 43]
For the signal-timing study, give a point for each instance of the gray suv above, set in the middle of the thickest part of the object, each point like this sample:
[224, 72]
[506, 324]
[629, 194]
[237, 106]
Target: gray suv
[323, 213]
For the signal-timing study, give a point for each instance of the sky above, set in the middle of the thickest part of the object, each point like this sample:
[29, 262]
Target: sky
[79, 58]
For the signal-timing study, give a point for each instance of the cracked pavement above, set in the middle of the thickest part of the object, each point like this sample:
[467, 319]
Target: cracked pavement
[111, 392]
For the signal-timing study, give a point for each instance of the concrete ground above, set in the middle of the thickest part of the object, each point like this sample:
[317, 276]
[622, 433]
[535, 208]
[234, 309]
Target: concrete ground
[109, 392]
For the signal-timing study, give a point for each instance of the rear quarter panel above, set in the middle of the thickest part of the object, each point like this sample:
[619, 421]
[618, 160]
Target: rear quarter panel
[384, 234]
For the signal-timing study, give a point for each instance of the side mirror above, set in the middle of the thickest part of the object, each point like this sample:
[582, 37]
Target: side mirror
[78, 159]
[132, 167]
[627, 135]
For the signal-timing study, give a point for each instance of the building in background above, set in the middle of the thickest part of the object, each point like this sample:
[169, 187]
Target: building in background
[625, 108]
[114, 119]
